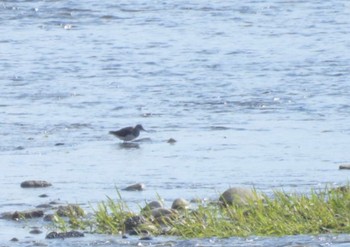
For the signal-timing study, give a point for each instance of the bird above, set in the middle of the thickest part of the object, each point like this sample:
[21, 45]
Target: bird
[128, 133]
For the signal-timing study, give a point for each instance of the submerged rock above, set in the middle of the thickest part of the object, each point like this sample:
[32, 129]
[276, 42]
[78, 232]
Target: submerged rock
[237, 195]
[35, 184]
[29, 214]
[35, 230]
[171, 140]
[70, 210]
[71, 234]
[180, 204]
[135, 187]
[344, 167]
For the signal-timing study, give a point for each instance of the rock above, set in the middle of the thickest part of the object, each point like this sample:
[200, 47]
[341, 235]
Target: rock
[159, 212]
[35, 184]
[35, 213]
[45, 205]
[6, 216]
[54, 202]
[152, 205]
[133, 222]
[14, 240]
[70, 234]
[146, 238]
[43, 195]
[171, 140]
[163, 215]
[344, 167]
[49, 217]
[70, 210]
[237, 195]
[199, 200]
[135, 187]
[180, 204]
[35, 231]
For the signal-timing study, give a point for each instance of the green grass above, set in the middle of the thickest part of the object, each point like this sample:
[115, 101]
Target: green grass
[325, 211]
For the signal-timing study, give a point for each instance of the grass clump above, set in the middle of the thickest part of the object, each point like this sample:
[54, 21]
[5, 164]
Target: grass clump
[325, 211]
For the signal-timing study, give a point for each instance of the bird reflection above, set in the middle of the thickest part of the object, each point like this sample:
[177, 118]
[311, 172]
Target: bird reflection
[129, 145]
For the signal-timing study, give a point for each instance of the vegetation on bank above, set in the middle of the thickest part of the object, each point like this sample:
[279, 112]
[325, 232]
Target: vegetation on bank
[325, 211]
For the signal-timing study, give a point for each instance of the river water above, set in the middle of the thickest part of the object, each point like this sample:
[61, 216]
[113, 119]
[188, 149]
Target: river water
[256, 93]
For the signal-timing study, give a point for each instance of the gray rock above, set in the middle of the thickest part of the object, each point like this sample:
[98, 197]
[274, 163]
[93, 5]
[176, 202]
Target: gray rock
[152, 205]
[344, 167]
[29, 214]
[35, 231]
[180, 204]
[163, 215]
[70, 210]
[45, 205]
[238, 195]
[71, 234]
[171, 140]
[135, 187]
[159, 212]
[35, 184]
[49, 217]
[133, 222]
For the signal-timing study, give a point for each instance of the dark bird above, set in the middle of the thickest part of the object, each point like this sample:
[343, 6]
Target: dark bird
[128, 133]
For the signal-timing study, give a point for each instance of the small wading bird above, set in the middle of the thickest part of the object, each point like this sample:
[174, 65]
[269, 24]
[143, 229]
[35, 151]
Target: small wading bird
[128, 133]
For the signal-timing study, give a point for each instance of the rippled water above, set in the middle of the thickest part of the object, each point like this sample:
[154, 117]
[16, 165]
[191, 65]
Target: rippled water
[256, 93]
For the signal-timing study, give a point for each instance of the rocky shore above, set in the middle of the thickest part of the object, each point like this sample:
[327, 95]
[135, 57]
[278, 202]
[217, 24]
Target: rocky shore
[144, 223]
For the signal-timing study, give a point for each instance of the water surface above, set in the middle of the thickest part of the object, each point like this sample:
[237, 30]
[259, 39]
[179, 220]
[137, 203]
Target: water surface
[255, 93]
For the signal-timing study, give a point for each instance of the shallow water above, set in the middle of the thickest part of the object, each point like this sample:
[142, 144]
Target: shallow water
[255, 93]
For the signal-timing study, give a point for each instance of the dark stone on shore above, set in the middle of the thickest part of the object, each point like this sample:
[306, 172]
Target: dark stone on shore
[152, 205]
[180, 204]
[43, 196]
[163, 215]
[35, 184]
[158, 212]
[238, 196]
[49, 217]
[35, 213]
[135, 187]
[146, 238]
[59, 144]
[62, 235]
[35, 231]
[133, 222]
[70, 210]
[124, 236]
[14, 240]
[344, 167]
